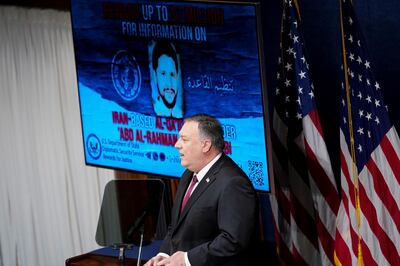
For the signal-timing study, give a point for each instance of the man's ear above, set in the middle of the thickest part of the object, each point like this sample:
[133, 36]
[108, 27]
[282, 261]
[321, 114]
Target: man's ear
[206, 145]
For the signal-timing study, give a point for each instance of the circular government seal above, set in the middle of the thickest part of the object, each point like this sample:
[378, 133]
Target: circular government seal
[93, 146]
[126, 76]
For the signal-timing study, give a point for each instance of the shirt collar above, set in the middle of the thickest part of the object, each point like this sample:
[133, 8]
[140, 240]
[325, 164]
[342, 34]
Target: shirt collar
[206, 168]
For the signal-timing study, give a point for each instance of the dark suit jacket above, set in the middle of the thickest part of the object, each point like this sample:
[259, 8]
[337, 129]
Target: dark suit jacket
[220, 221]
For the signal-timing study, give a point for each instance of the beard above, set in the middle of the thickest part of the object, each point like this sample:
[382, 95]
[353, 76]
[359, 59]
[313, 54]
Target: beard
[166, 103]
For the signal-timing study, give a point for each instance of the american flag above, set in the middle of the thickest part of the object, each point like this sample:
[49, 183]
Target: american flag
[368, 222]
[304, 196]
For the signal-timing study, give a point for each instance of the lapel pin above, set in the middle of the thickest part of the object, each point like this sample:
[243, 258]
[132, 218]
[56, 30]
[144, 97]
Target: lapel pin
[207, 179]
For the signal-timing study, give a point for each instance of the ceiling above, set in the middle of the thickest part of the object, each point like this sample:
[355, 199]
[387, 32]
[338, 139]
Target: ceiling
[53, 4]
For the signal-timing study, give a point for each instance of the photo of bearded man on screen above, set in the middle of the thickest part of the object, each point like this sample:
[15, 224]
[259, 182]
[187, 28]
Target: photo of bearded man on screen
[165, 79]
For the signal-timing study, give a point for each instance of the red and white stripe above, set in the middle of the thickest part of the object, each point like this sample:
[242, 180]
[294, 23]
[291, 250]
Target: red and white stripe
[304, 197]
[379, 194]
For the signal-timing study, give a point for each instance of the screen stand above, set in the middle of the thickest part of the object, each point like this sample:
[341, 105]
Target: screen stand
[121, 223]
[121, 254]
[123, 247]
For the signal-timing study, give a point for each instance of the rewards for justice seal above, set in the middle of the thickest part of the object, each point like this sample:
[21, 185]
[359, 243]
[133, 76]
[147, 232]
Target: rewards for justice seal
[126, 76]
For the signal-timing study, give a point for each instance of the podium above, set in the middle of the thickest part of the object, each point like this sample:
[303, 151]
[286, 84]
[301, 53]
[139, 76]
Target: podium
[108, 256]
[127, 225]
[90, 259]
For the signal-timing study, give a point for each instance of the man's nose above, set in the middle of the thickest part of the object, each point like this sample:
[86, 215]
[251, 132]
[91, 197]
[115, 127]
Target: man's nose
[169, 82]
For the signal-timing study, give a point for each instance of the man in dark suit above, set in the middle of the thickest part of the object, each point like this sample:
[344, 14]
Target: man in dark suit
[219, 223]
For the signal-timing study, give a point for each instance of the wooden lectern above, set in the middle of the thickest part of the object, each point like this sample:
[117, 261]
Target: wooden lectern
[109, 256]
[91, 259]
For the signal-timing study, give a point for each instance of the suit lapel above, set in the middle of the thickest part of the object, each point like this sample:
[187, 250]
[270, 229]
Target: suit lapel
[186, 178]
[205, 183]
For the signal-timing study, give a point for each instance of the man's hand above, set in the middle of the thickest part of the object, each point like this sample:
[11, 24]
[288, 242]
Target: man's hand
[154, 261]
[177, 259]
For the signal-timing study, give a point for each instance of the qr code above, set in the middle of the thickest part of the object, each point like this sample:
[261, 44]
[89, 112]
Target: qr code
[256, 173]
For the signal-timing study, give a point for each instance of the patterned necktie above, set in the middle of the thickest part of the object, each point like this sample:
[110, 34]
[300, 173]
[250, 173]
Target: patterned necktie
[189, 192]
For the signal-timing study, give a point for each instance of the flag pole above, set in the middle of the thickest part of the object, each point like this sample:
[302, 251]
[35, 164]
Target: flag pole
[352, 148]
[296, 5]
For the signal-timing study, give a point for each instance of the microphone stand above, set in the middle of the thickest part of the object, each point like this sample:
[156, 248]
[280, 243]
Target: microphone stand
[141, 230]
[139, 226]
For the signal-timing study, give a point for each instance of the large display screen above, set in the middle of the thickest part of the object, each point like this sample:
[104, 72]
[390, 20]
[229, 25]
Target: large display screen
[143, 66]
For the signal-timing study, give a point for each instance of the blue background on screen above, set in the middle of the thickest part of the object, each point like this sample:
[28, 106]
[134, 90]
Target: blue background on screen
[220, 76]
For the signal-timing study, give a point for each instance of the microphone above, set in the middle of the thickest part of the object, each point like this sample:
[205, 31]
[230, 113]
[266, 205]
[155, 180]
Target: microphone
[139, 222]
